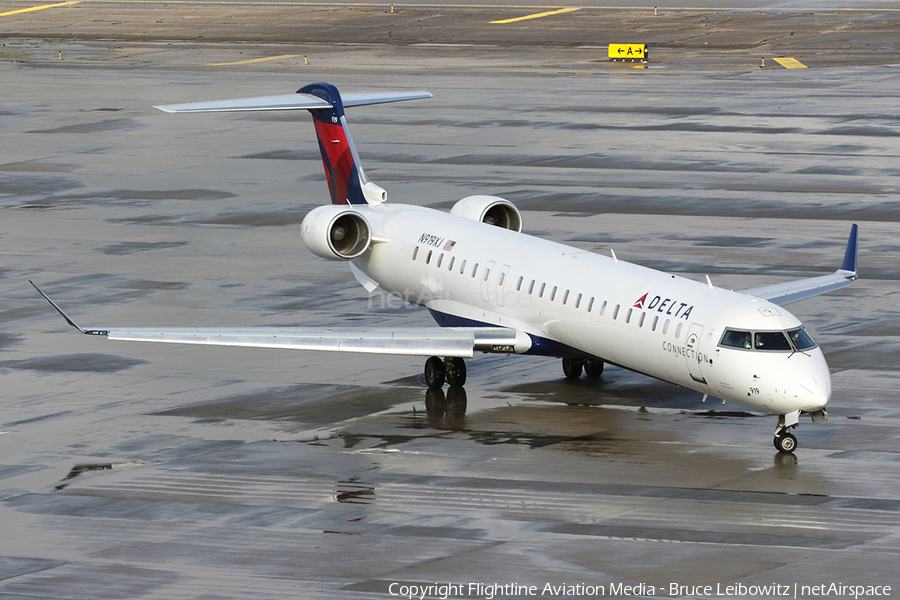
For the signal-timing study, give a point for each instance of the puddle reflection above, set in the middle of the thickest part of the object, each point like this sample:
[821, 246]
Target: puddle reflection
[446, 410]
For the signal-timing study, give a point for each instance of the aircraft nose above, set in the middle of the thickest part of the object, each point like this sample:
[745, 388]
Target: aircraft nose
[815, 383]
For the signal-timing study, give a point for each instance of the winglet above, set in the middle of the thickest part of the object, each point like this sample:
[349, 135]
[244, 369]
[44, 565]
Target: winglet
[850, 263]
[66, 317]
[792, 291]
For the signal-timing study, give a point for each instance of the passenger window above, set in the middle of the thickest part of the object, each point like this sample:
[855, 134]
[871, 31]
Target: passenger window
[487, 273]
[591, 304]
[628, 315]
[519, 284]
[566, 297]
[531, 287]
[450, 266]
[440, 259]
[801, 339]
[616, 313]
[541, 292]
[415, 252]
[462, 267]
[603, 308]
[553, 294]
[737, 339]
[641, 322]
[678, 330]
[666, 327]
[474, 270]
[578, 301]
[428, 257]
[770, 340]
[655, 322]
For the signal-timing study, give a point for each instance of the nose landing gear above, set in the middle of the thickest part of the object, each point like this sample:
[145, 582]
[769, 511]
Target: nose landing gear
[784, 441]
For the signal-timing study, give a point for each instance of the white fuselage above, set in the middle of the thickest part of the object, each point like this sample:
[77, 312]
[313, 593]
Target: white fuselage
[574, 302]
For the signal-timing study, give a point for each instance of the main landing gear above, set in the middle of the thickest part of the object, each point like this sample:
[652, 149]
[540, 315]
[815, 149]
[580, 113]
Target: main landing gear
[784, 441]
[452, 369]
[572, 367]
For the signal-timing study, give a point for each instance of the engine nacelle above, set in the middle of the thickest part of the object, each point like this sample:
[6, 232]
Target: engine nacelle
[492, 210]
[336, 232]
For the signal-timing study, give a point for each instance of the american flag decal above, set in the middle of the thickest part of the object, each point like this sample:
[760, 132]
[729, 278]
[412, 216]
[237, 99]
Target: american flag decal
[449, 245]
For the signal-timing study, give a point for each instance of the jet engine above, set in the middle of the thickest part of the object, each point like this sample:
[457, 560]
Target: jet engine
[492, 210]
[336, 232]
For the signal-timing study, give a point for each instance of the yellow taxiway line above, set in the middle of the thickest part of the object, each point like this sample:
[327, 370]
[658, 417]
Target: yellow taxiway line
[790, 63]
[34, 8]
[535, 16]
[252, 60]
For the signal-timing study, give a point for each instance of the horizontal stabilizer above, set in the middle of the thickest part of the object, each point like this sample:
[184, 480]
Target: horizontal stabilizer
[366, 98]
[793, 291]
[292, 102]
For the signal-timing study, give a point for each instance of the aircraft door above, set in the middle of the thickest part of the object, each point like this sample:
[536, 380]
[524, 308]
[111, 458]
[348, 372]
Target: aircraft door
[486, 280]
[502, 283]
[693, 355]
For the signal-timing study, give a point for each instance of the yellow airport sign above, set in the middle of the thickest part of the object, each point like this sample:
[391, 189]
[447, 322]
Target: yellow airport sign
[628, 52]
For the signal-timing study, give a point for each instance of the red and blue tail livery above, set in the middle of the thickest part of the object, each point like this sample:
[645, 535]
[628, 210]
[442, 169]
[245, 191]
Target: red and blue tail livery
[343, 170]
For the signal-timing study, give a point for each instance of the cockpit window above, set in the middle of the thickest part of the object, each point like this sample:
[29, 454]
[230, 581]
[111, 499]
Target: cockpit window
[737, 339]
[801, 339]
[771, 340]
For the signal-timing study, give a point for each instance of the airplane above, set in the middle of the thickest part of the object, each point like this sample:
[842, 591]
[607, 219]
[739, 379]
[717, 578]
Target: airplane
[492, 288]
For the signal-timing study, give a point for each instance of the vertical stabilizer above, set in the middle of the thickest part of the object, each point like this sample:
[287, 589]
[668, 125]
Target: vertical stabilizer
[347, 182]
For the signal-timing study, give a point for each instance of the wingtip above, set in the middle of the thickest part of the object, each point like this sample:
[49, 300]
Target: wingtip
[63, 314]
[40, 291]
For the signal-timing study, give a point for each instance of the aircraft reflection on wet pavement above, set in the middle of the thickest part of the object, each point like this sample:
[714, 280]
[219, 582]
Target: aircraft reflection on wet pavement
[451, 404]
[492, 288]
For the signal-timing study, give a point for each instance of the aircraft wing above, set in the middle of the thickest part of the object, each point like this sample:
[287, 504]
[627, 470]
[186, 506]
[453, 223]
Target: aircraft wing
[785, 293]
[292, 102]
[424, 341]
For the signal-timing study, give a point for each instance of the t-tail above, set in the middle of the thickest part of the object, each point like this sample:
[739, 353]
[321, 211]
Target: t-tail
[347, 181]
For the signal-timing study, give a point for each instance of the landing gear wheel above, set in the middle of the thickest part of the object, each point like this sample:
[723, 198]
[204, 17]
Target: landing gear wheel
[786, 443]
[593, 368]
[455, 371]
[434, 372]
[572, 367]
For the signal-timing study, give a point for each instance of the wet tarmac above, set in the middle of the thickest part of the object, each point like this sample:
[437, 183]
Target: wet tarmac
[132, 470]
